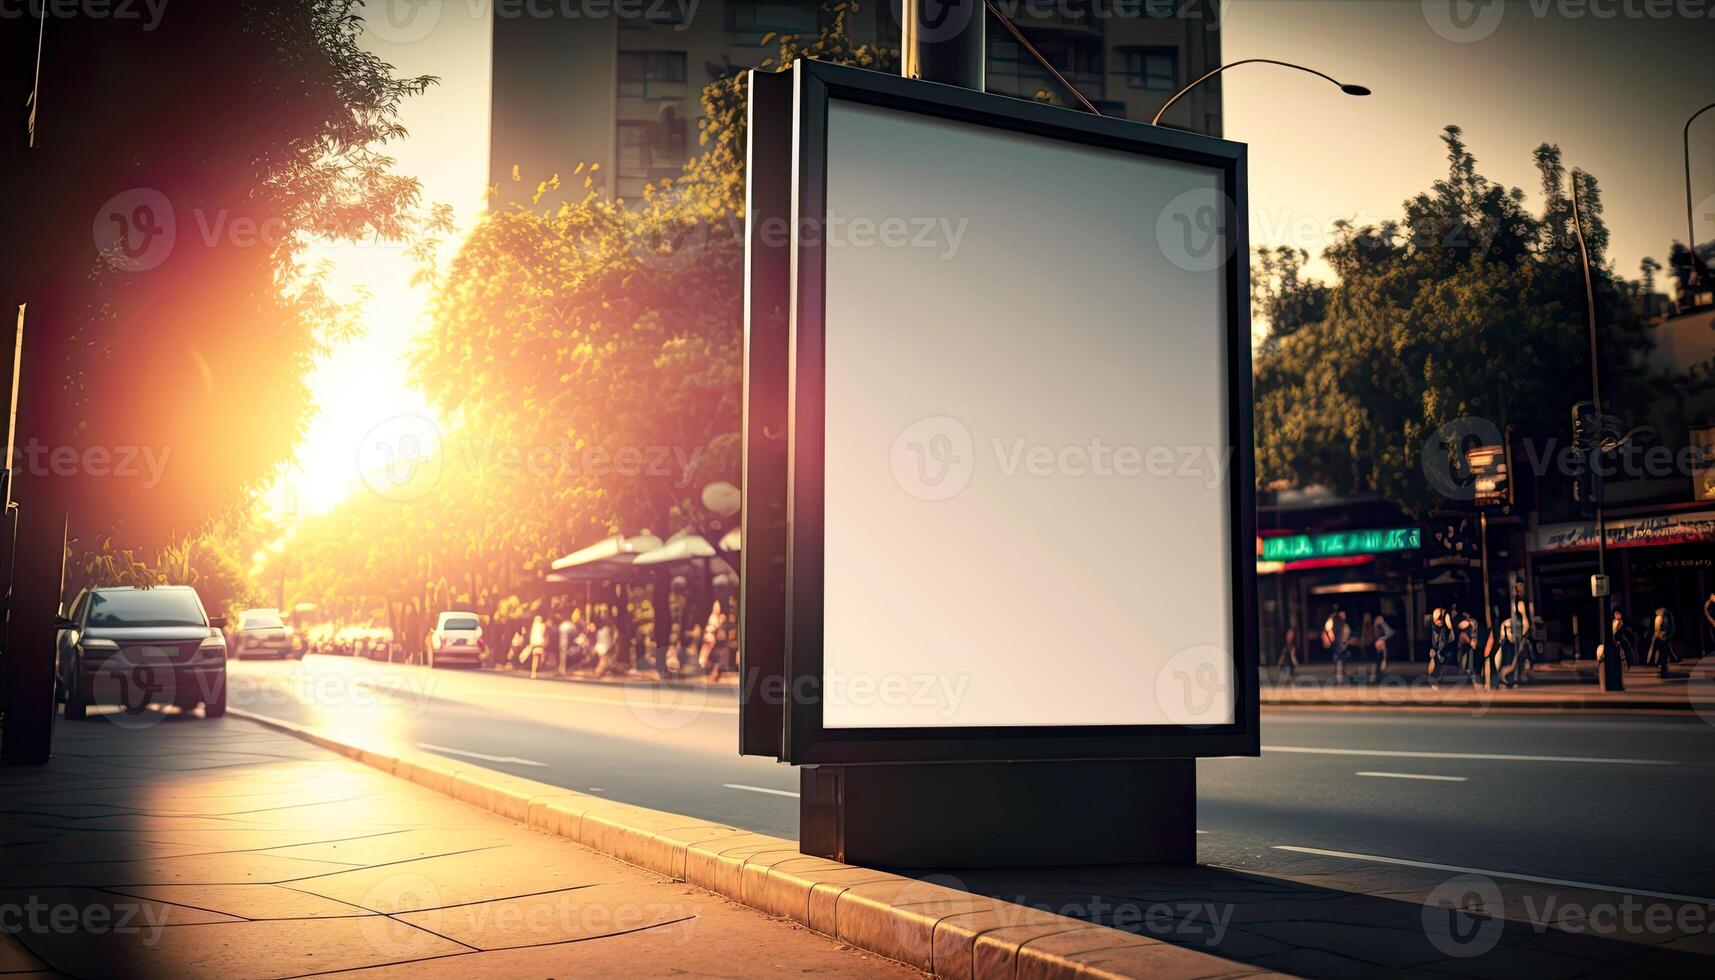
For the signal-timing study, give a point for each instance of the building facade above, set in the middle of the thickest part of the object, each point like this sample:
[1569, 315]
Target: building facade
[621, 93]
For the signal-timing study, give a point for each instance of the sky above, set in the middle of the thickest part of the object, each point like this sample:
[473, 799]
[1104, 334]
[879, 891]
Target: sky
[1608, 82]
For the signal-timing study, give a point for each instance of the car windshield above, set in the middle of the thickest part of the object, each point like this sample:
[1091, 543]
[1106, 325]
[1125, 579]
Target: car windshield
[262, 619]
[460, 623]
[145, 607]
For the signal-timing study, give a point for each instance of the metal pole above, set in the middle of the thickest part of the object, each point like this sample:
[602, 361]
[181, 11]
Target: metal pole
[1690, 221]
[944, 41]
[1488, 607]
[1612, 678]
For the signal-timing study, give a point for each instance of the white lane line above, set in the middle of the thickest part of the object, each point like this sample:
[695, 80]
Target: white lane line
[1485, 756]
[1537, 879]
[442, 749]
[1415, 775]
[761, 789]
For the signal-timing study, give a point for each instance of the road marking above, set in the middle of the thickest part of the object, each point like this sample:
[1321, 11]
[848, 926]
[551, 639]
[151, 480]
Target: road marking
[478, 755]
[1415, 775]
[761, 789]
[1485, 756]
[1536, 879]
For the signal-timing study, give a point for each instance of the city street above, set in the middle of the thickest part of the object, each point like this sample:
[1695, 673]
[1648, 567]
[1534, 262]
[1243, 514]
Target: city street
[1581, 799]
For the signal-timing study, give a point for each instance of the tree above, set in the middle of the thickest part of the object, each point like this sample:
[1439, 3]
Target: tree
[1467, 307]
[168, 310]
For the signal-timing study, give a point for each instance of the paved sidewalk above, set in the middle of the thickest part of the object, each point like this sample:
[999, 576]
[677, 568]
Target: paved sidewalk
[168, 845]
[1691, 688]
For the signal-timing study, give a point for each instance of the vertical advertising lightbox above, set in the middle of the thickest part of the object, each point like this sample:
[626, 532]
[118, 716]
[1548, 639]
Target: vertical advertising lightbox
[998, 383]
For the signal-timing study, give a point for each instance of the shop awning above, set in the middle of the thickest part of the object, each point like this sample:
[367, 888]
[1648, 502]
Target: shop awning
[682, 548]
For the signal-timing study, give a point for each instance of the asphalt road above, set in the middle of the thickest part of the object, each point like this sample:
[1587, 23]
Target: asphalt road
[1622, 802]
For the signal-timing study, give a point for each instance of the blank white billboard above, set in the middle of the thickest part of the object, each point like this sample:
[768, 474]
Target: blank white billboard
[1027, 504]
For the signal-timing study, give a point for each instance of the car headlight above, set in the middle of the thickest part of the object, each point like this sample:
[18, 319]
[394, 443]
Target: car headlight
[96, 648]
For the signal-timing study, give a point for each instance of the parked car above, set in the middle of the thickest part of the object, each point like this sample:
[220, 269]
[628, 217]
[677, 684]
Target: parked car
[456, 639]
[262, 633]
[137, 647]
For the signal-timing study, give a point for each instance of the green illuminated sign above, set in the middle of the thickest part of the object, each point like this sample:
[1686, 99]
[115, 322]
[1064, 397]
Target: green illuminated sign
[1341, 543]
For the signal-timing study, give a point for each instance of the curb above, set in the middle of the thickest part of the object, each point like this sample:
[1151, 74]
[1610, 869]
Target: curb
[942, 931]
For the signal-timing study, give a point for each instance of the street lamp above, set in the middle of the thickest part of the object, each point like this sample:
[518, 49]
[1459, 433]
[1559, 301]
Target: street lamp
[1611, 677]
[1344, 87]
[1690, 221]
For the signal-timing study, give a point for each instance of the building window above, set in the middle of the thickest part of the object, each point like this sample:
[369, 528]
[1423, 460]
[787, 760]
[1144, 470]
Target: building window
[648, 150]
[1154, 69]
[752, 19]
[651, 74]
[1013, 71]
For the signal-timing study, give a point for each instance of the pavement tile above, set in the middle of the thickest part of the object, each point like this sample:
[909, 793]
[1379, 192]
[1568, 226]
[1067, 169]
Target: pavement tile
[466, 876]
[247, 901]
[16, 958]
[727, 940]
[562, 916]
[284, 948]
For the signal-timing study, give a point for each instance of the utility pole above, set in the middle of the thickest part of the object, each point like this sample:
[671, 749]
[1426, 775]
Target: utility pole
[1612, 677]
[944, 41]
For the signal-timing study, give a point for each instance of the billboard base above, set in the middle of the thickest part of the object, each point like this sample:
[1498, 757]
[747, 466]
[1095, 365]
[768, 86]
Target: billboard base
[1000, 814]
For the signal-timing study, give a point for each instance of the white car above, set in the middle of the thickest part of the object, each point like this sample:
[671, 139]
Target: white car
[262, 633]
[456, 639]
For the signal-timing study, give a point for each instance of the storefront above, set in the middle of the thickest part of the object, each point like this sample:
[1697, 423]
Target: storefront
[1655, 561]
[1368, 571]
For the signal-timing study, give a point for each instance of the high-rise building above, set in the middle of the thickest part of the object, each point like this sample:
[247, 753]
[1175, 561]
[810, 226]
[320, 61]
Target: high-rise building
[622, 90]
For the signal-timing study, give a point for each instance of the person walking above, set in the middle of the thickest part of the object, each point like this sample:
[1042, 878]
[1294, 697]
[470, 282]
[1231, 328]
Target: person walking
[1623, 641]
[1465, 634]
[537, 647]
[1440, 644]
[1337, 640]
[568, 632]
[1509, 656]
[1660, 652]
[1288, 656]
[1383, 637]
[1366, 645]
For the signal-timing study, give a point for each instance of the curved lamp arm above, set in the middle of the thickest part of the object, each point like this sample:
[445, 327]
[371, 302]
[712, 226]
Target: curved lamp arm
[1348, 89]
[1690, 220]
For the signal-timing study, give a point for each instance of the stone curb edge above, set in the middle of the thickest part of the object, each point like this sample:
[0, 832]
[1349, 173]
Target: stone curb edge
[942, 931]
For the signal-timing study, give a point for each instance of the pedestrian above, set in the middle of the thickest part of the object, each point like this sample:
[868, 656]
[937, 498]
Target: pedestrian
[1709, 617]
[604, 650]
[1465, 631]
[567, 632]
[707, 658]
[1623, 641]
[1509, 656]
[537, 646]
[1337, 640]
[1440, 644]
[1288, 656]
[1660, 651]
[1383, 636]
[1366, 643]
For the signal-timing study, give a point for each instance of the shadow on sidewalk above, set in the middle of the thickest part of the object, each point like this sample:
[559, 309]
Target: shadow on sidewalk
[1463, 926]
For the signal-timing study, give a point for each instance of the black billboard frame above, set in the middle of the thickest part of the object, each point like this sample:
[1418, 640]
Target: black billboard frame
[783, 652]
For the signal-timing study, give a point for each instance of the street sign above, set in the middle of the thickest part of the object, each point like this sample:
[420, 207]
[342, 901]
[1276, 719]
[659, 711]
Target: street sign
[1491, 475]
[1020, 505]
[1598, 586]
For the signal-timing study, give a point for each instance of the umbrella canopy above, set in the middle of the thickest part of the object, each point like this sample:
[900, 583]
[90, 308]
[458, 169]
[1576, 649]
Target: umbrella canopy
[732, 540]
[682, 548]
